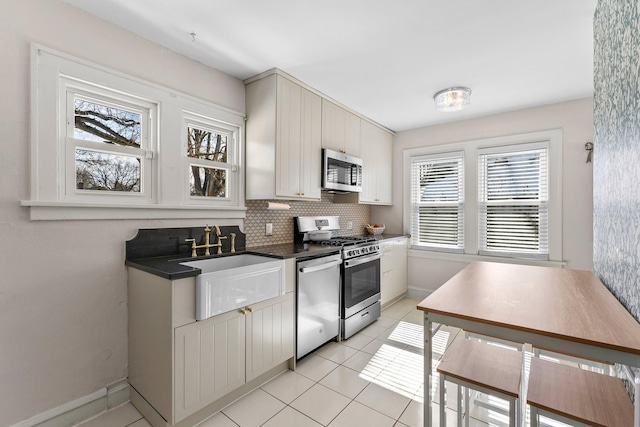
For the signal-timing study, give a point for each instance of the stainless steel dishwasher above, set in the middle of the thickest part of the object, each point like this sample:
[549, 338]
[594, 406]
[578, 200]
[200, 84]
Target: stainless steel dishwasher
[318, 302]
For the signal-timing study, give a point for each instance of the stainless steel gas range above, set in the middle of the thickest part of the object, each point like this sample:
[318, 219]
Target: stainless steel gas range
[359, 281]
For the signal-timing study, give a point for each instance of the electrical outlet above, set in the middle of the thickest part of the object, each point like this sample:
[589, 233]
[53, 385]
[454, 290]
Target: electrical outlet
[349, 225]
[268, 229]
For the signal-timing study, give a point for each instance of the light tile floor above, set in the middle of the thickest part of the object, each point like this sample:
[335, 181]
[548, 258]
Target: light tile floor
[375, 378]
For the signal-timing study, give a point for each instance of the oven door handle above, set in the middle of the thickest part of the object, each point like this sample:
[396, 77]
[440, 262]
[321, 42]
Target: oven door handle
[320, 267]
[358, 261]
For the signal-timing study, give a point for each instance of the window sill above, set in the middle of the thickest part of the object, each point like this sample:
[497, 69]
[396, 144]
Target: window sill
[447, 256]
[55, 211]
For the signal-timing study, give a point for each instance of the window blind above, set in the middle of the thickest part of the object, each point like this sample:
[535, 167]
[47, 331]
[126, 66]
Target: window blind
[437, 208]
[513, 203]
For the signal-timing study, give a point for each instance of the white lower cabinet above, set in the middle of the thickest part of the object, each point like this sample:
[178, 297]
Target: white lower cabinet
[182, 370]
[393, 266]
[215, 356]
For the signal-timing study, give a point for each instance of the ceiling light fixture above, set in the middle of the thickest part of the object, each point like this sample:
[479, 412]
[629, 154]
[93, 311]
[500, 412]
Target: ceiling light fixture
[452, 99]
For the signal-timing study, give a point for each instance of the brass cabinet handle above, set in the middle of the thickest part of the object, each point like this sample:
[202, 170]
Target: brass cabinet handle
[250, 309]
[242, 311]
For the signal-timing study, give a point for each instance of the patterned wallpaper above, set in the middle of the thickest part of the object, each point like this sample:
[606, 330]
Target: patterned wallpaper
[258, 216]
[616, 193]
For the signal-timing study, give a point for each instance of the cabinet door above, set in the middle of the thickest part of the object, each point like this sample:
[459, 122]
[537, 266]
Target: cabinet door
[340, 129]
[288, 142]
[299, 142]
[311, 145]
[393, 266]
[376, 152]
[386, 272]
[209, 361]
[269, 334]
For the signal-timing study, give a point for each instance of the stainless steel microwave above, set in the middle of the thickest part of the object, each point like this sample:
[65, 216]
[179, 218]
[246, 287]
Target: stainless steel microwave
[341, 172]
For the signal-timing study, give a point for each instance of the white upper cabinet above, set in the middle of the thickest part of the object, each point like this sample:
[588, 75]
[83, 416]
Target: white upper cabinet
[376, 151]
[288, 124]
[340, 129]
[284, 140]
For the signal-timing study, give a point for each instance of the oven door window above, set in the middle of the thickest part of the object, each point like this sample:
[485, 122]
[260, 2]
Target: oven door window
[361, 282]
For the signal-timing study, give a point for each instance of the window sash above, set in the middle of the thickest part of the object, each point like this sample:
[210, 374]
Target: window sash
[77, 90]
[437, 202]
[513, 196]
[192, 120]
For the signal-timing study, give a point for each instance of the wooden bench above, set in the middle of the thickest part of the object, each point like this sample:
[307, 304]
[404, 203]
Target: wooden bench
[577, 396]
[483, 367]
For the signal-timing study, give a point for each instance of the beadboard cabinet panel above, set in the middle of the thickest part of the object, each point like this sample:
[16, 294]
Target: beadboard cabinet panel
[284, 140]
[340, 129]
[269, 335]
[376, 153]
[209, 358]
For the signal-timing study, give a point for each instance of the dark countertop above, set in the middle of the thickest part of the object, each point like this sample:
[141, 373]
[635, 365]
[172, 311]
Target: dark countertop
[170, 267]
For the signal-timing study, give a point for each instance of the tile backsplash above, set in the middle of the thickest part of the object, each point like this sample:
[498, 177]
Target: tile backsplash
[282, 220]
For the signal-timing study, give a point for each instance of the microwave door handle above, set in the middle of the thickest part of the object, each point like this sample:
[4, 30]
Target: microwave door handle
[320, 267]
[358, 261]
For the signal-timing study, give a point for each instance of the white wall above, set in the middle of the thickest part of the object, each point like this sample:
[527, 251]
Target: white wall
[575, 118]
[63, 289]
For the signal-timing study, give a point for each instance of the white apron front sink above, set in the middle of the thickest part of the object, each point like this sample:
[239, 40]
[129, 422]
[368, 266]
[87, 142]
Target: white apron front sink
[234, 282]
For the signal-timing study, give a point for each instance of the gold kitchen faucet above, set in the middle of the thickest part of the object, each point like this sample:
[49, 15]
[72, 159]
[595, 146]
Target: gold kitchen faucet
[207, 242]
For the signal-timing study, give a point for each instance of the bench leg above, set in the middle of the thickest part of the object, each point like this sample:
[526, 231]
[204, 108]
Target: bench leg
[443, 402]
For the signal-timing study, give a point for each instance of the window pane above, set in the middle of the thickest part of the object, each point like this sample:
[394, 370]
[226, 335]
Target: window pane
[513, 228]
[101, 123]
[107, 172]
[513, 177]
[207, 145]
[208, 182]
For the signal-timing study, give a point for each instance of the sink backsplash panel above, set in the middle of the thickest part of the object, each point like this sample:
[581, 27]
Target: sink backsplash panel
[258, 216]
[155, 242]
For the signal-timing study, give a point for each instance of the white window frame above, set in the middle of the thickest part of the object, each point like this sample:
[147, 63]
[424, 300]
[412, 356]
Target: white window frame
[438, 158]
[470, 148]
[71, 89]
[53, 196]
[192, 119]
[542, 202]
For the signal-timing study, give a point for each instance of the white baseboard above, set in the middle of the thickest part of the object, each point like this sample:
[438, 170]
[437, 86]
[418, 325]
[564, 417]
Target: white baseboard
[82, 409]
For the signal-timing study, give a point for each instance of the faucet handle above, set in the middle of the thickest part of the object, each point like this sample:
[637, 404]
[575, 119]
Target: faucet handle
[217, 230]
[219, 245]
[233, 242]
[194, 253]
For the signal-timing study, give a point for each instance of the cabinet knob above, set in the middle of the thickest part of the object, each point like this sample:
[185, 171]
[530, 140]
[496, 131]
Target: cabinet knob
[302, 194]
[250, 309]
[242, 311]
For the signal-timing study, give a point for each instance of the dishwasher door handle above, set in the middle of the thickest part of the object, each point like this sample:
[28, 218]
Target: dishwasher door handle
[320, 267]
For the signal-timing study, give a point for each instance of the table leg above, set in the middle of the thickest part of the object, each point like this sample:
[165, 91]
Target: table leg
[428, 378]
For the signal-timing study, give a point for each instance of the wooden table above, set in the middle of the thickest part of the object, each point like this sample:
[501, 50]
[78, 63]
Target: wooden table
[568, 311]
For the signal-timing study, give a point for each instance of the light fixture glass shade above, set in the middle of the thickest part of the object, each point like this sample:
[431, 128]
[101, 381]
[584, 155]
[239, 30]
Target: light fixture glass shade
[452, 99]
